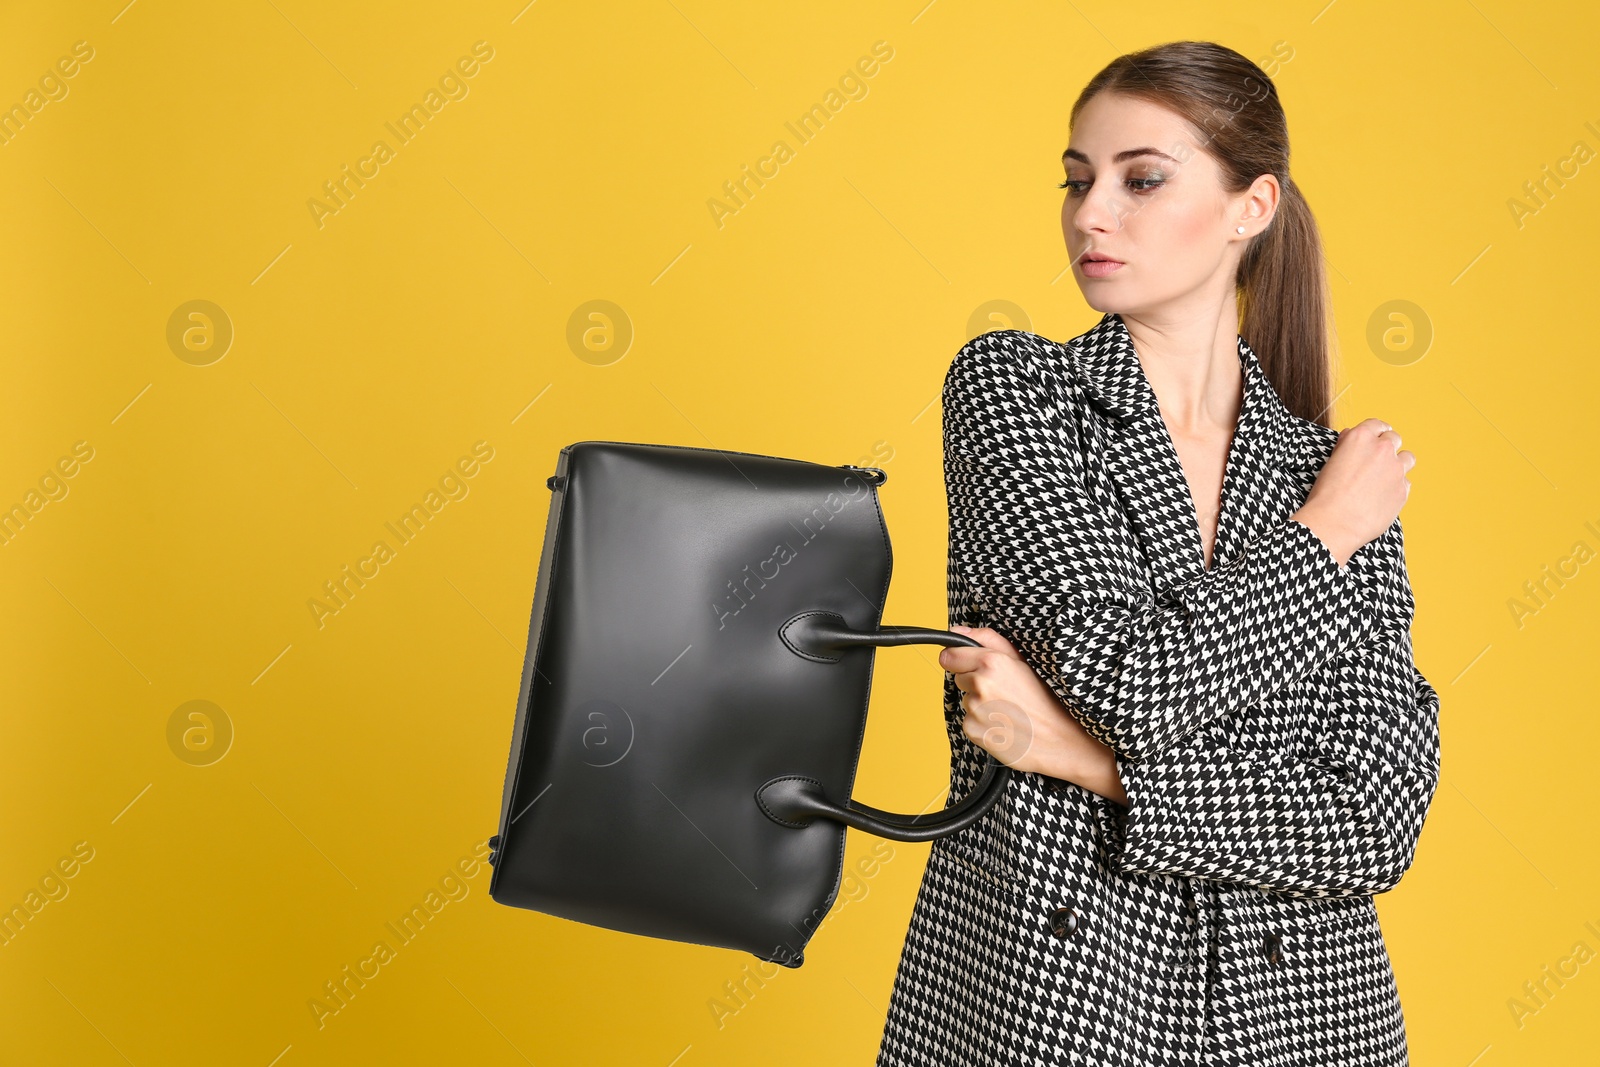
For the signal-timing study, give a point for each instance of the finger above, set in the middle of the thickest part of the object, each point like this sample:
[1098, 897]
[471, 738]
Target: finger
[973, 632]
[960, 660]
[969, 722]
[986, 637]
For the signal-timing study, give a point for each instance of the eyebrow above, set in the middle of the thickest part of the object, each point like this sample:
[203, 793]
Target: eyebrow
[1126, 154]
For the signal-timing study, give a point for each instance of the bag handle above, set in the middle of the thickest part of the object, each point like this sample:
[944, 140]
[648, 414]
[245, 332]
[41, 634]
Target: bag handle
[794, 800]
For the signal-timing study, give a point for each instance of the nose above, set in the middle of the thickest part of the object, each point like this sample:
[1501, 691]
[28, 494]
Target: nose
[1096, 213]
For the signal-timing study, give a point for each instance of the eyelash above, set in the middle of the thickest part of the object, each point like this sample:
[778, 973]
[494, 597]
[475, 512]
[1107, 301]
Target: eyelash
[1144, 185]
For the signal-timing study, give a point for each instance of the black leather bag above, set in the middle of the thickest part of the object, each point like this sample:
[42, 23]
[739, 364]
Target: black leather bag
[694, 697]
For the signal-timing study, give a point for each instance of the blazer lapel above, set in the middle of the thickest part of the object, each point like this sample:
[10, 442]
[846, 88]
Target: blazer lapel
[1262, 484]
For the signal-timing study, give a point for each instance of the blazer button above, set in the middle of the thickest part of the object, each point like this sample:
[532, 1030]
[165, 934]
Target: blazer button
[1065, 922]
[1274, 949]
[1057, 787]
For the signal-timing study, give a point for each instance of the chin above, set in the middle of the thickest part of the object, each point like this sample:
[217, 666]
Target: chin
[1102, 301]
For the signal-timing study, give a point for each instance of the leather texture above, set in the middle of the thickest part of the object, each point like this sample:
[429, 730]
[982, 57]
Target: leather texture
[694, 697]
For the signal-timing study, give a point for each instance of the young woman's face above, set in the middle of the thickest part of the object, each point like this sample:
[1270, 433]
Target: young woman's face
[1140, 190]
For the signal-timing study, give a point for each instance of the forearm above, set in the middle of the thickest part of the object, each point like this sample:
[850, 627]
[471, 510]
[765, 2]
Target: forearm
[1097, 772]
[1141, 673]
[1337, 813]
[1087, 762]
[1342, 544]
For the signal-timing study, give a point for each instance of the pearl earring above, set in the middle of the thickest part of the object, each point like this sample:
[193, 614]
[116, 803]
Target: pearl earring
[1241, 229]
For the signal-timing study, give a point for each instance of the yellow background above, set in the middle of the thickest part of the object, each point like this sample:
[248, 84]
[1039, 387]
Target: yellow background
[432, 311]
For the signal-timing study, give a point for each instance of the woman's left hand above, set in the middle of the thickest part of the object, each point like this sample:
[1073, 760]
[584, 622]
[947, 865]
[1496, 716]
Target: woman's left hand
[1012, 714]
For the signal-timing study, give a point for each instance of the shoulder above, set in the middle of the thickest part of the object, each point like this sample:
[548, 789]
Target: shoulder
[1012, 361]
[1309, 444]
[1007, 394]
[1002, 346]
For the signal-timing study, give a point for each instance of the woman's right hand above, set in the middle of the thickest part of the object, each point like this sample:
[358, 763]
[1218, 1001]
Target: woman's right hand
[1360, 490]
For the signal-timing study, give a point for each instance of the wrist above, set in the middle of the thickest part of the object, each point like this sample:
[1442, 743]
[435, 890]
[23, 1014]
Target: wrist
[1338, 541]
[1093, 766]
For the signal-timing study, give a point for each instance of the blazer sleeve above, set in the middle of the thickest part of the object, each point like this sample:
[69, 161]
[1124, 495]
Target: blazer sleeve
[1337, 815]
[1040, 563]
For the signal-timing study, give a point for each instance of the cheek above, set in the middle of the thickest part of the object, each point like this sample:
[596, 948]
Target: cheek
[1191, 226]
[1182, 237]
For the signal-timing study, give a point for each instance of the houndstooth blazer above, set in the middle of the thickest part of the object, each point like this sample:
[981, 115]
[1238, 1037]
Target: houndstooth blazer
[1278, 746]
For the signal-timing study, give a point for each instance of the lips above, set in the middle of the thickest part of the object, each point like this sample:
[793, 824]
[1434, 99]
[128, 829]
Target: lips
[1095, 257]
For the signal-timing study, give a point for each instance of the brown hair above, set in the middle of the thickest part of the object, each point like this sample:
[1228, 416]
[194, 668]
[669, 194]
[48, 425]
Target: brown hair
[1282, 285]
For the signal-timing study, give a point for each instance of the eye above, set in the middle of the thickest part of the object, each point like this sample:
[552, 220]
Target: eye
[1138, 185]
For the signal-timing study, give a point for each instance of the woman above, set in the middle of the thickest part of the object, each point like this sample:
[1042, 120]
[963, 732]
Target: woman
[1195, 615]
